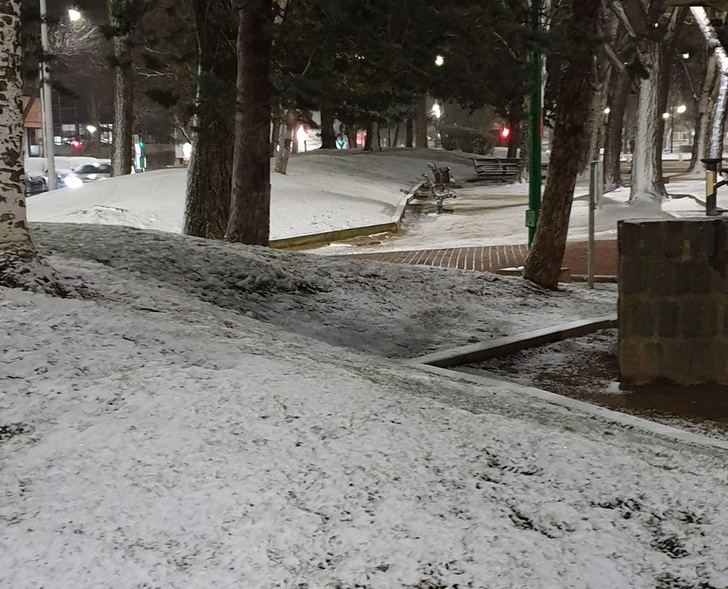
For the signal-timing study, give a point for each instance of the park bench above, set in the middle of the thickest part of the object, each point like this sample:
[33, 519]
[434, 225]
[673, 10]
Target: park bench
[491, 169]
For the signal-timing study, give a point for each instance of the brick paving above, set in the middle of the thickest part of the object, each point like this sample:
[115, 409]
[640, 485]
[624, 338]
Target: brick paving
[494, 257]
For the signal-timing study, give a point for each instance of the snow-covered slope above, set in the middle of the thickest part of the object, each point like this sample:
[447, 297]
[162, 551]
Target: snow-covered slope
[155, 434]
[323, 191]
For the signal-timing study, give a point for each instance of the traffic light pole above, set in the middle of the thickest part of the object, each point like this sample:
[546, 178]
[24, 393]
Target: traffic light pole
[534, 126]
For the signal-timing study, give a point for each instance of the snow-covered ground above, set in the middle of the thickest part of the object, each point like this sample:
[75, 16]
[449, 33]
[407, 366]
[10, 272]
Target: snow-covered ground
[495, 215]
[323, 191]
[162, 432]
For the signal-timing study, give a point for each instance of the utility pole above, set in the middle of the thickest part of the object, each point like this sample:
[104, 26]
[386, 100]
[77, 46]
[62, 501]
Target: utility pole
[46, 101]
[534, 124]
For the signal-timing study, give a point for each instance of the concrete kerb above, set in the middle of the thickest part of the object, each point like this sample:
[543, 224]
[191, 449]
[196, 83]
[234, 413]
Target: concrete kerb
[351, 232]
[515, 343]
[620, 419]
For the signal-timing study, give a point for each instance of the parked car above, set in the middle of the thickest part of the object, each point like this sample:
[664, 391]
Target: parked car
[35, 185]
[87, 173]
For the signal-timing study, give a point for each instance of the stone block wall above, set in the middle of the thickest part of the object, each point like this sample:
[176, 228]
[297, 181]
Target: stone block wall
[673, 301]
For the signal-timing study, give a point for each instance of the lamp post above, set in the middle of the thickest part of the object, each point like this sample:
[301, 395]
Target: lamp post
[534, 127]
[47, 105]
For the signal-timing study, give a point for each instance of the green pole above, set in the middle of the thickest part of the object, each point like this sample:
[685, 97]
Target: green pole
[534, 129]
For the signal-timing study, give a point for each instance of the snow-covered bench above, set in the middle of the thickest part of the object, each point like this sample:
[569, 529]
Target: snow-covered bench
[491, 169]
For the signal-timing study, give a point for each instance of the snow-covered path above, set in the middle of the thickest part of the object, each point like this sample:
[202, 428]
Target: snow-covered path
[154, 436]
[322, 192]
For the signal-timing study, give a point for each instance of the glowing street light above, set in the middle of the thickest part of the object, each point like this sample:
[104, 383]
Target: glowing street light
[74, 15]
[91, 129]
[437, 111]
[686, 55]
[681, 110]
[665, 115]
[439, 61]
[607, 110]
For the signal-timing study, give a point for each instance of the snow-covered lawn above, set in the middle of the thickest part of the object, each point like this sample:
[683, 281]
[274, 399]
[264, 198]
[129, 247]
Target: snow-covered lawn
[322, 192]
[177, 427]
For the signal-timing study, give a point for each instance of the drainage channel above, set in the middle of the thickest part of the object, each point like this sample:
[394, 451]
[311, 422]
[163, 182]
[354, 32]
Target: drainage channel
[466, 363]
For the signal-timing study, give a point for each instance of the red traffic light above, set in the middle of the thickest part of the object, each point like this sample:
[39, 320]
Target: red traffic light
[77, 144]
[505, 133]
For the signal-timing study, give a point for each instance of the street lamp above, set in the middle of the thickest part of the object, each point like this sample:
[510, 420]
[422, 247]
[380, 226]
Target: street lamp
[681, 110]
[74, 15]
[607, 110]
[439, 61]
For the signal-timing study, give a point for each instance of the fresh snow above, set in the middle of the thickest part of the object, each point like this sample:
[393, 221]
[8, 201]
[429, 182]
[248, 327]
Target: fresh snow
[322, 192]
[177, 427]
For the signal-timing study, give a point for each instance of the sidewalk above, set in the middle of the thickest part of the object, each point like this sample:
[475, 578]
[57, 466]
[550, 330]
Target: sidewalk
[491, 258]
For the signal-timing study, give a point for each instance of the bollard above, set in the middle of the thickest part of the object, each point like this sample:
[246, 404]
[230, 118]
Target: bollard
[712, 169]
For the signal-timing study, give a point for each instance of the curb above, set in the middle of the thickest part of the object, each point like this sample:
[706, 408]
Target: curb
[621, 419]
[350, 232]
[514, 343]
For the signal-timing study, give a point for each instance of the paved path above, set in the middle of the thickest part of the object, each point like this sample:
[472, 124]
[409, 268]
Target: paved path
[491, 258]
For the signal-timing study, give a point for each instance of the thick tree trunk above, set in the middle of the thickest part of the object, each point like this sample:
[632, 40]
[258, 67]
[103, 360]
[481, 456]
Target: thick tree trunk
[575, 95]
[395, 141]
[13, 222]
[372, 142]
[19, 265]
[285, 140]
[351, 133]
[409, 133]
[704, 116]
[421, 123]
[655, 51]
[122, 148]
[209, 173]
[250, 204]
[328, 137]
[617, 102]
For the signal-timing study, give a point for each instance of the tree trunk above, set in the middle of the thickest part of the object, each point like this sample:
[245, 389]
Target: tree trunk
[351, 133]
[421, 123]
[409, 133]
[655, 51]
[210, 168]
[19, 266]
[13, 222]
[704, 116]
[284, 142]
[515, 120]
[372, 140]
[575, 96]
[250, 204]
[274, 136]
[122, 149]
[617, 102]
[395, 141]
[328, 137]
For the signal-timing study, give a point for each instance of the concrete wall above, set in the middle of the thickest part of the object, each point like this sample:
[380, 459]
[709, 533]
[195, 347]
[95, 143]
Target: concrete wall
[673, 301]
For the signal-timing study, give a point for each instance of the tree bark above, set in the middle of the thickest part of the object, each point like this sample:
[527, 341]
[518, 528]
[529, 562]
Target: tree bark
[250, 204]
[655, 50]
[122, 148]
[617, 102]
[575, 96]
[210, 169]
[285, 140]
[421, 123]
[372, 142]
[704, 116]
[351, 133]
[274, 135]
[409, 133]
[13, 222]
[328, 137]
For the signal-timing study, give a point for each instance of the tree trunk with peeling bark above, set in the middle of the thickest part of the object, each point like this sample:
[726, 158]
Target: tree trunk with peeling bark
[250, 205]
[574, 101]
[209, 174]
[19, 266]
